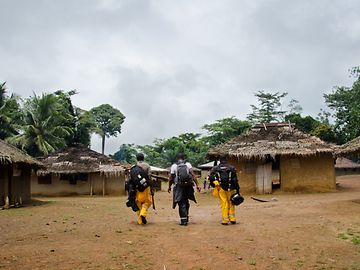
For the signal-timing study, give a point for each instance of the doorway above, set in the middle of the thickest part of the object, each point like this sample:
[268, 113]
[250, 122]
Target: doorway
[264, 178]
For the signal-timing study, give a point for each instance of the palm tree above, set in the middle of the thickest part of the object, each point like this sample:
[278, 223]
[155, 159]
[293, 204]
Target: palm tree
[10, 114]
[46, 126]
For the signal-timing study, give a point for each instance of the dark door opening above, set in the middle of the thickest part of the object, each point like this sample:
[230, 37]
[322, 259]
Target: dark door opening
[276, 177]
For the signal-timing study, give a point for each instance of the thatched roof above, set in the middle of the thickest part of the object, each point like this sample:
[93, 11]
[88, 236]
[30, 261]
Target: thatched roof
[11, 154]
[344, 163]
[351, 147]
[80, 159]
[206, 166]
[158, 169]
[264, 141]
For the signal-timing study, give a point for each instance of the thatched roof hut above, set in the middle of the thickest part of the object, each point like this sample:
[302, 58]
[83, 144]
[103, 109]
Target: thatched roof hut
[15, 171]
[271, 140]
[351, 147]
[277, 155]
[10, 154]
[80, 159]
[345, 163]
[79, 170]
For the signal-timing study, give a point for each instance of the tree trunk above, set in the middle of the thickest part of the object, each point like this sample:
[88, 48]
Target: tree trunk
[103, 144]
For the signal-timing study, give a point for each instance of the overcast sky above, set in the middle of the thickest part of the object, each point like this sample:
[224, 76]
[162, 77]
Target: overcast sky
[172, 66]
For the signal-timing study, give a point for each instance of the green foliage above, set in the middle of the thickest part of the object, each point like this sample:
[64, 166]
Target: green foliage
[345, 102]
[317, 127]
[108, 120]
[126, 154]
[224, 129]
[325, 132]
[10, 114]
[306, 124]
[84, 126]
[269, 108]
[163, 152]
[46, 125]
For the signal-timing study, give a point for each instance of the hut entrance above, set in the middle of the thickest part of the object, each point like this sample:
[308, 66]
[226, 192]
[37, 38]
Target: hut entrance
[264, 178]
[276, 174]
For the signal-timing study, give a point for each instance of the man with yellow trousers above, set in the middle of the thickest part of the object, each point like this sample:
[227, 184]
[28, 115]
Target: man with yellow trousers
[224, 179]
[140, 190]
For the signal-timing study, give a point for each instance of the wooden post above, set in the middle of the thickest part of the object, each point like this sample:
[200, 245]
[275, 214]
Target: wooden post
[91, 185]
[7, 187]
[103, 185]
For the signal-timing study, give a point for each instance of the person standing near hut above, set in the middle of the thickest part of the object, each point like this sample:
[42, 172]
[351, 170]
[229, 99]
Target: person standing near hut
[140, 188]
[183, 178]
[224, 179]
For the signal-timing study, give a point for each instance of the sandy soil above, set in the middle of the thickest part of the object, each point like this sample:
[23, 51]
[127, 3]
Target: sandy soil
[298, 231]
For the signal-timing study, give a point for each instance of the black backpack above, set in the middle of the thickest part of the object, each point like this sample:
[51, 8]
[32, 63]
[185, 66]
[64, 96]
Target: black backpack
[139, 178]
[184, 177]
[226, 175]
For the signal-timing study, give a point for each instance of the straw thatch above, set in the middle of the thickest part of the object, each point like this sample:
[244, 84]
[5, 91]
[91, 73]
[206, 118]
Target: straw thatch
[344, 163]
[351, 147]
[80, 159]
[11, 154]
[206, 166]
[269, 140]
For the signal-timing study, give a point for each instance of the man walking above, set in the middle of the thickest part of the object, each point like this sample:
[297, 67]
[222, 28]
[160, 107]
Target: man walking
[140, 188]
[183, 178]
[224, 179]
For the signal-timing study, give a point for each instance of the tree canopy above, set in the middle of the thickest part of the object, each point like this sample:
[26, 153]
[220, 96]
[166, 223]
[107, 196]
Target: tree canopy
[269, 108]
[224, 129]
[345, 103]
[108, 121]
[10, 113]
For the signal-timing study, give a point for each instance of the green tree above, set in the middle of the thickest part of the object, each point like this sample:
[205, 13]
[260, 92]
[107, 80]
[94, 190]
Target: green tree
[164, 151]
[81, 121]
[345, 102]
[224, 129]
[319, 127]
[306, 124]
[10, 114]
[126, 154]
[85, 125]
[108, 120]
[325, 132]
[46, 125]
[269, 108]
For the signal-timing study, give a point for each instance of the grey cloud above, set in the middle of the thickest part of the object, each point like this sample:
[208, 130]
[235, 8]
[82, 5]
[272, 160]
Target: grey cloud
[171, 67]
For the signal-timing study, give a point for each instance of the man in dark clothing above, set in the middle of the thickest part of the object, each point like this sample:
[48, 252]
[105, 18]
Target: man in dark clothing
[224, 179]
[140, 199]
[182, 175]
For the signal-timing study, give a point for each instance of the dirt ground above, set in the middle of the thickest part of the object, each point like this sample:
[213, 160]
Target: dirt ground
[298, 231]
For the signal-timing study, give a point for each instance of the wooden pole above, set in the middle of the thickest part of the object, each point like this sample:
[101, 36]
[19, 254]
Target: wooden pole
[91, 185]
[7, 187]
[103, 185]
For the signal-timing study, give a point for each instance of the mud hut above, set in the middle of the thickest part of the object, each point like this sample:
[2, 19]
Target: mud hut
[78, 170]
[159, 175]
[205, 168]
[277, 155]
[15, 172]
[350, 148]
[345, 166]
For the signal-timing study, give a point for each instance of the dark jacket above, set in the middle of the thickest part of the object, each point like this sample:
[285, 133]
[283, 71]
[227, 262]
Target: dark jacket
[223, 172]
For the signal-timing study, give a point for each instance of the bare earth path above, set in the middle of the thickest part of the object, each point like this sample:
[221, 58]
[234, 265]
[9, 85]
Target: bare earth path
[302, 231]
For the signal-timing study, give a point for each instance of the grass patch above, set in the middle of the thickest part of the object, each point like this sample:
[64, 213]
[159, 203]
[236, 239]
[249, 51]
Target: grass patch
[352, 235]
[356, 240]
[343, 236]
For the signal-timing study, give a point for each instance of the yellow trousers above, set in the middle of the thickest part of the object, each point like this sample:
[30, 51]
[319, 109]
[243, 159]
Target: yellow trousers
[143, 201]
[227, 208]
